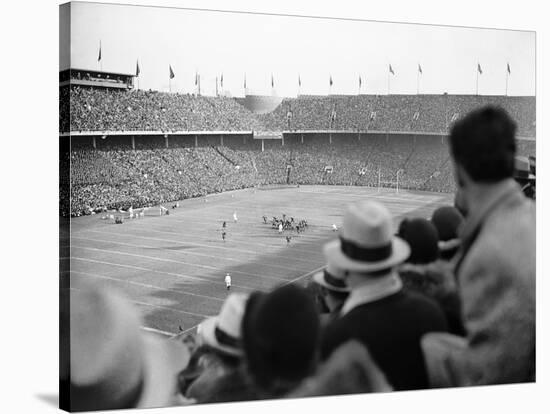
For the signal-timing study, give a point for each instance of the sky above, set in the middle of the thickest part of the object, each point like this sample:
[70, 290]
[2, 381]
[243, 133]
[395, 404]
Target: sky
[314, 49]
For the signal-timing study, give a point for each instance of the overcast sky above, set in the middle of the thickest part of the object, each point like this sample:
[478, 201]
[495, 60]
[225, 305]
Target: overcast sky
[213, 43]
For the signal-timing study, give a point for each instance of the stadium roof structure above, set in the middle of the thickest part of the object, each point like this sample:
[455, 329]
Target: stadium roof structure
[100, 71]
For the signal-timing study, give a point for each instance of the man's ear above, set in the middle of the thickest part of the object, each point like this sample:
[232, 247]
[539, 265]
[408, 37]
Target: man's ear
[461, 176]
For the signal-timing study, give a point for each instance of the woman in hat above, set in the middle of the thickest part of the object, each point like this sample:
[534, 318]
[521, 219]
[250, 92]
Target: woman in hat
[424, 272]
[214, 372]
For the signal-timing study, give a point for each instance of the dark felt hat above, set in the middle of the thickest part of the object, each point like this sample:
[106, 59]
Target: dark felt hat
[447, 220]
[280, 333]
[422, 237]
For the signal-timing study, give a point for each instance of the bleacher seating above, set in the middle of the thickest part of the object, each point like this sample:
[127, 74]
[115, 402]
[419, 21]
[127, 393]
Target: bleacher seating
[104, 110]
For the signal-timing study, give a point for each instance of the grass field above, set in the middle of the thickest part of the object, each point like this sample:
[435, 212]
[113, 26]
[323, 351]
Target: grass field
[173, 267]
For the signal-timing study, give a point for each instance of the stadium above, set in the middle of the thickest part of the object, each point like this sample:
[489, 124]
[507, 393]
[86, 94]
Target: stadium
[139, 149]
[196, 205]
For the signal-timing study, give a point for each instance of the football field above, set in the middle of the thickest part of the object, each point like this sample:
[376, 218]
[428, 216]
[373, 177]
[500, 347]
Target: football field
[172, 267]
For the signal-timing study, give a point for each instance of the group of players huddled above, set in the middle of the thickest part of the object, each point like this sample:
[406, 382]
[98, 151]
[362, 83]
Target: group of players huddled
[286, 223]
[281, 224]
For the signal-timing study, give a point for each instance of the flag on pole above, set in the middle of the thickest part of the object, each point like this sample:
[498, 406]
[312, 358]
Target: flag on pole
[479, 69]
[196, 78]
[391, 70]
[419, 69]
[360, 81]
[137, 68]
[245, 80]
[330, 80]
[221, 80]
[508, 68]
[99, 55]
[172, 75]
[272, 81]
[299, 81]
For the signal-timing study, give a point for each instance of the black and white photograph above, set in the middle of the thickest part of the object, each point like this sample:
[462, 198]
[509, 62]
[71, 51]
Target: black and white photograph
[262, 206]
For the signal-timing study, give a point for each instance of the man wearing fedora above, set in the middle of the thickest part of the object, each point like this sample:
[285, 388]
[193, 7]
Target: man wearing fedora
[495, 264]
[333, 291]
[388, 320]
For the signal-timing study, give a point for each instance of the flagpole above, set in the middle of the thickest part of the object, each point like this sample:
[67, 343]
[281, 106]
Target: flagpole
[507, 75]
[417, 81]
[388, 82]
[477, 79]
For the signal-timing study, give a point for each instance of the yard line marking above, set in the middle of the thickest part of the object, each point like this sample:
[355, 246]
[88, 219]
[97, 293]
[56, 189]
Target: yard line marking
[157, 331]
[177, 335]
[154, 306]
[306, 274]
[242, 240]
[157, 271]
[230, 249]
[181, 292]
[186, 252]
[171, 309]
[239, 239]
[172, 261]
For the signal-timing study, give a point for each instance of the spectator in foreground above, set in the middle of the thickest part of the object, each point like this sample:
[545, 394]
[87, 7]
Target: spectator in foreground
[214, 372]
[280, 339]
[447, 220]
[424, 273]
[349, 370]
[496, 262]
[113, 365]
[524, 176]
[379, 313]
[333, 291]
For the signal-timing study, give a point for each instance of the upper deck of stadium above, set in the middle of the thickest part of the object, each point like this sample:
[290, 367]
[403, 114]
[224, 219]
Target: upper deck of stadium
[92, 111]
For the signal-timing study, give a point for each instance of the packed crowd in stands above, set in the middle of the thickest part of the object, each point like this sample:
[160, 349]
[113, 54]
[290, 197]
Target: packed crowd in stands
[88, 109]
[114, 110]
[443, 302]
[393, 113]
[120, 179]
[113, 176]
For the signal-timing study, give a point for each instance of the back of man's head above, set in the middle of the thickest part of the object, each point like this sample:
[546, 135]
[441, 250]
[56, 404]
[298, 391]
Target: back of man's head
[483, 143]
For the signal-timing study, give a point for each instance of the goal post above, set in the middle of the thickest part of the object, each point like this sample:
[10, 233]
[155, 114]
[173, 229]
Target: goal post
[394, 183]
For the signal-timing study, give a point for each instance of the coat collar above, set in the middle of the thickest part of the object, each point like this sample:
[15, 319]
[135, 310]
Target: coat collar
[498, 195]
[371, 290]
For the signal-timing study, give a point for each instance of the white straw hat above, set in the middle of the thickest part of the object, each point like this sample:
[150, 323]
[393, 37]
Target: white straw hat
[113, 364]
[223, 332]
[366, 243]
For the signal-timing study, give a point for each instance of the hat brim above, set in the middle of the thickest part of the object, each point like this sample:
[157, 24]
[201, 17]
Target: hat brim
[319, 278]
[207, 330]
[448, 245]
[164, 359]
[334, 254]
